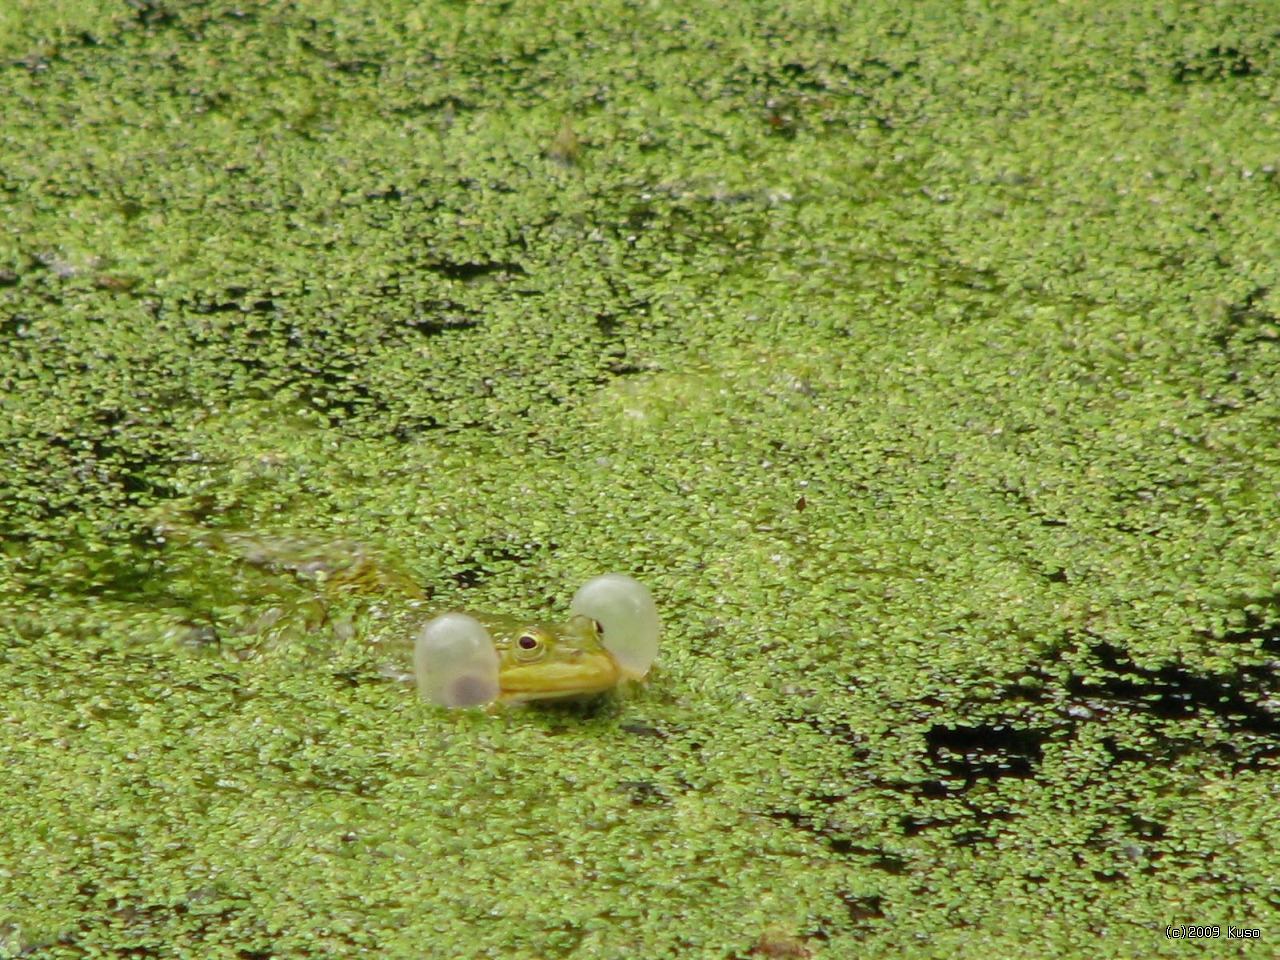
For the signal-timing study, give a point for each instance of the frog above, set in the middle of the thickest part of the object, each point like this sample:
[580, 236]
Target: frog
[462, 659]
[611, 636]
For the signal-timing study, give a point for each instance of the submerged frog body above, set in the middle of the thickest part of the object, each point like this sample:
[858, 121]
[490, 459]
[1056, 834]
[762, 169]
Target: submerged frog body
[465, 660]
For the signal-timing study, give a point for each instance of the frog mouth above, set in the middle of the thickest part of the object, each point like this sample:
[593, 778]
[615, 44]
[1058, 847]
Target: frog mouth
[582, 676]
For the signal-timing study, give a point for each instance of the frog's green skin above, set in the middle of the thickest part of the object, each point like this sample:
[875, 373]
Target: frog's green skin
[536, 661]
[542, 661]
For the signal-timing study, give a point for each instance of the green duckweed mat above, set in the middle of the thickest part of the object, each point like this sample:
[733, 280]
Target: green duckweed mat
[922, 360]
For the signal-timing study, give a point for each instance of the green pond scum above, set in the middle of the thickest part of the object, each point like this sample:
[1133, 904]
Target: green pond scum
[922, 362]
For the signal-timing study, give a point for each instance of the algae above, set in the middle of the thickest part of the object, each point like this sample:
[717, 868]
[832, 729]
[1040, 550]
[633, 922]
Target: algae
[922, 361]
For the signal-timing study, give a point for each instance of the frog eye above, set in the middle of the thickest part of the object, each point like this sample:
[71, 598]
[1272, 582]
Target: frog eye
[455, 662]
[529, 648]
[626, 619]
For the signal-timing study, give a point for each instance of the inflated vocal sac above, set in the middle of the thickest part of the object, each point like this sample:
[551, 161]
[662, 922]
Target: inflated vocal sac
[625, 610]
[455, 662]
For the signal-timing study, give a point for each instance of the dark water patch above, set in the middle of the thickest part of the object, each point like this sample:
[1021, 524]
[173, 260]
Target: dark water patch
[472, 269]
[234, 299]
[643, 793]
[863, 908]
[832, 729]
[1174, 692]
[965, 831]
[434, 317]
[1246, 324]
[985, 751]
[1219, 62]
[642, 729]
[1106, 686]
[840, 841]
[488, 561]
[132, 926]
[1260, 626]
